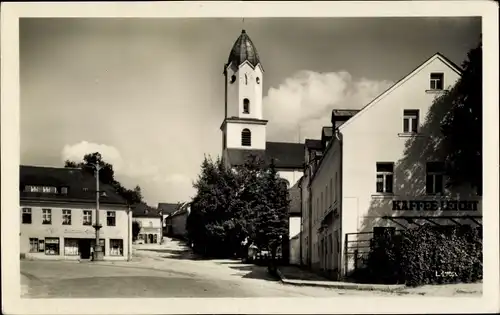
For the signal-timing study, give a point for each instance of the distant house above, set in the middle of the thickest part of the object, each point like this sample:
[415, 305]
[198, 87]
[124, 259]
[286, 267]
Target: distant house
[294, 223]
[176, 222]
[167, 209]
[150, 221]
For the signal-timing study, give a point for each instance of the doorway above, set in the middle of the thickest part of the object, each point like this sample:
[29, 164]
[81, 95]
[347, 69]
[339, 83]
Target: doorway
[151, 238]
[84, 248]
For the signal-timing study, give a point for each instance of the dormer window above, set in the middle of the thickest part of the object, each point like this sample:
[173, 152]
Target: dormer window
[246, 137]
[246, 106]
[437, 81]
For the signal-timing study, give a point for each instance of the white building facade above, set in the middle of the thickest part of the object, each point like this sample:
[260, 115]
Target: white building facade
[384, 169]
[58, 215]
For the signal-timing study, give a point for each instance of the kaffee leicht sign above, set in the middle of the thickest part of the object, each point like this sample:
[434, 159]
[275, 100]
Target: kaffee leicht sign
[434, 205]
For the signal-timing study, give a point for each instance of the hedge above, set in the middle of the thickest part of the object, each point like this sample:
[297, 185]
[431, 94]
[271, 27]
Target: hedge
[426, 255]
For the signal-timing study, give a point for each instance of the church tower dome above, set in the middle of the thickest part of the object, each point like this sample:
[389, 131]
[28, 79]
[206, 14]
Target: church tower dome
[243, 50]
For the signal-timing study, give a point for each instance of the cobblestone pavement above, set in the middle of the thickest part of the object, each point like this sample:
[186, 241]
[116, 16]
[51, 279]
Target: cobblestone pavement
[167, 270]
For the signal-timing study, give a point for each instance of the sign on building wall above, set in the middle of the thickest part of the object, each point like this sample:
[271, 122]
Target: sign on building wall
[41, 189]
[434, 205]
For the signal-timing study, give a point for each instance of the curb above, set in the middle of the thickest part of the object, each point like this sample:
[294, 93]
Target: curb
[398, 288]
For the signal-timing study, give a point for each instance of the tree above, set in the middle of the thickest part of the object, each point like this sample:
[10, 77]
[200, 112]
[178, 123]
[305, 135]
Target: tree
[211, 225]
[271, 223]
[231, 205]
[107, 176]
[462, 126]
[136, 228]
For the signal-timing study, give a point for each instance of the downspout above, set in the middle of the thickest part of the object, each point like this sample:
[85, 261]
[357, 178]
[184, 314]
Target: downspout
[338, 136]
[129, 235]
[301, 223]
[309, 215]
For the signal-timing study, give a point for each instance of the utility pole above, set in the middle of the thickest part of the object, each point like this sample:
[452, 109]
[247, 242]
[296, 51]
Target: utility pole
[98, 254]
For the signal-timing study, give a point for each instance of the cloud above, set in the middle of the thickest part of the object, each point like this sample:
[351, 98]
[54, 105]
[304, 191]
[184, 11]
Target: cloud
[306, 99]
[158, 185]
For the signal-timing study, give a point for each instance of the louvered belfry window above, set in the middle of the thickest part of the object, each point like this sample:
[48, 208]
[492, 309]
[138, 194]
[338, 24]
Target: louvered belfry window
[246, 138]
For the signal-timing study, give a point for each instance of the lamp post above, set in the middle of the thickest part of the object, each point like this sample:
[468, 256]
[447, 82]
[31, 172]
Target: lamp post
[98, 254]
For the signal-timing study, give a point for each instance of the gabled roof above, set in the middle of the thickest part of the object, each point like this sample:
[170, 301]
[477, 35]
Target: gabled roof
[184, 208]
[437, 55]
[81, 185]
[168, 208]
[286, 155]
[344, 112]
[142, 210]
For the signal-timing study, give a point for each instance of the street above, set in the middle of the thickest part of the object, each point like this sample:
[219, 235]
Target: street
[159, 271]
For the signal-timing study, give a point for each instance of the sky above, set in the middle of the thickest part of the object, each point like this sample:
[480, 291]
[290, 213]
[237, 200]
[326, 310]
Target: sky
[148, 94]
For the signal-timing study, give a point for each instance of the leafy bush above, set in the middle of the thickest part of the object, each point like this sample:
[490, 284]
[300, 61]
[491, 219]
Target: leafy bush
[383, 264]
[427, 255]
[431, 256]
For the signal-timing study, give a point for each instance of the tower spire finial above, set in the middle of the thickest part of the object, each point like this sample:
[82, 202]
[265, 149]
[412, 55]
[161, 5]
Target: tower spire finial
[243, 25]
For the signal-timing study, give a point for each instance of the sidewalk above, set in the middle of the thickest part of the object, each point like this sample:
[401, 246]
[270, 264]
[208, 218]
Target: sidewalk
[296, 276]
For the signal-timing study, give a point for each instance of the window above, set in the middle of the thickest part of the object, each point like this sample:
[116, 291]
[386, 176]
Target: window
[437, 81]
[33, 245]
[51, 246]
[434, 178]
[336, 185]
[327, 197]
[71, 247]
[150, 223]
[322, 204]
[317, 209]
[66, 217]
[233, 79]
[257, 79]
[111, 218]
[116, 247]
[337, 241]
[155, 238]
[26, 216]
[246, 79]
[246, 138]
[64, 190]
[246, 106]
[332, 200]
[46, 216]
[410, 121]
[87, 217]
[385, 174]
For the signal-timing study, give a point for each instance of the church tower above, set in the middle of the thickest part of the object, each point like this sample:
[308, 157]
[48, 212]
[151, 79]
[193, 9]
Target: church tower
[243, 126]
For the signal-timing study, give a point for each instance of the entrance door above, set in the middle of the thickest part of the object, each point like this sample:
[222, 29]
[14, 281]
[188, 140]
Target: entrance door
[84, 248]
[151, 238]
